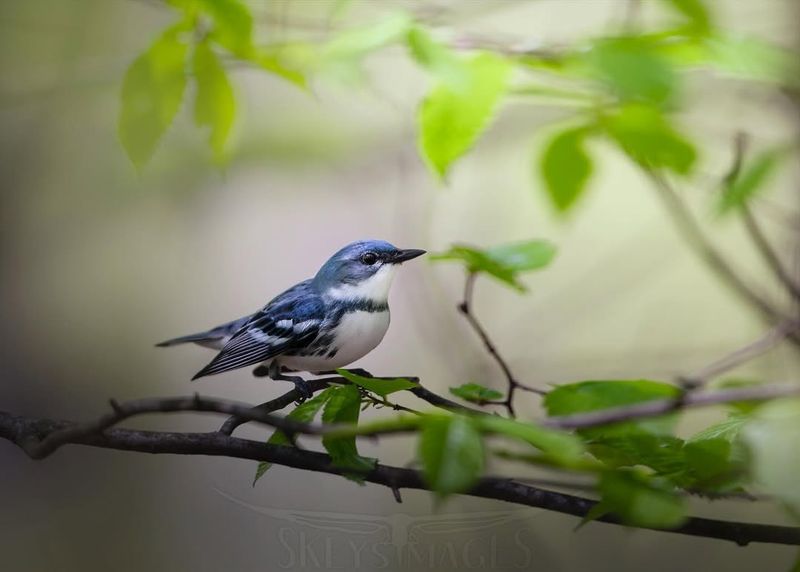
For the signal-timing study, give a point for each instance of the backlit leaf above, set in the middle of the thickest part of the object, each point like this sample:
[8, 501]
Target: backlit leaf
[152, 92]
[632, 70]
[475, 393]
[645, 135]
[451, 120]
[215, 104]
[304, 413]
[437, 58]
[566, 166]
[382, 387]
[641, 501]
[233, 25]
[755, 174]
[695, 12]
[559, 445]
[588, 396]
[503, 262]
[344, 406]
[451, 451]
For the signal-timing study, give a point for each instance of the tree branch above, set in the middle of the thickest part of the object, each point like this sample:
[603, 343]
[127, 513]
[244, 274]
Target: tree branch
[662, 406]
[21, 430]
[465, 307]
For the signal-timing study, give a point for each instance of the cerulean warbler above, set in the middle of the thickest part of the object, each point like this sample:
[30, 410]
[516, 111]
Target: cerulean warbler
[320, 324]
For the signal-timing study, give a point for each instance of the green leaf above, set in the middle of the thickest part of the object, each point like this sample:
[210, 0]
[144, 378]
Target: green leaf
[632, 70]
[754, 176]
[771, 437]
[304, 413]
[382, 387]
[450, 120]
[215, 104]
[503, 262]
[451, 451]
[729, 429]
[476, 393]
[716, 458]
[640, 501]
[437, 58]
[233, 25]
[564, 447]
[566, 167]
[752, 59]
[696, 13]
[344, 55]
[662, 453]
[344, 406]
[588, 396]
[152, 92]
[645, 135]
[289, 62]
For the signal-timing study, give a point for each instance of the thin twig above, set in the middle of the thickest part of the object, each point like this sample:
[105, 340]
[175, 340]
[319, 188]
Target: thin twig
[465, 307]
[696, 239]
[740, 356]
[768, 253]
[773, 261]
[19, 430]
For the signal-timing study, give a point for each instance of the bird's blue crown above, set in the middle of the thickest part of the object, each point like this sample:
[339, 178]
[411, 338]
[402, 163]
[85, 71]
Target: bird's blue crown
[359, 261]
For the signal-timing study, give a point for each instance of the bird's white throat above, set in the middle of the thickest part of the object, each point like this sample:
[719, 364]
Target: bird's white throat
[375, 288]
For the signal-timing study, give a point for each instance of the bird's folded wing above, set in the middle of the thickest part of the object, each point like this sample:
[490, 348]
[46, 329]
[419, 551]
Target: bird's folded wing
[264, 337]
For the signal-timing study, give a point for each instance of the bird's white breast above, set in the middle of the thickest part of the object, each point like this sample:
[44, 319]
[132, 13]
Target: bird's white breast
[357, 334]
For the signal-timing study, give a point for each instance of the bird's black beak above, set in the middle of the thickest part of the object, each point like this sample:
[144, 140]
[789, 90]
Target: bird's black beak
[402, 255]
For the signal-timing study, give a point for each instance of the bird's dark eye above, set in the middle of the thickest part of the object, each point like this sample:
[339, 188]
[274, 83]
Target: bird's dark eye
[369, 258]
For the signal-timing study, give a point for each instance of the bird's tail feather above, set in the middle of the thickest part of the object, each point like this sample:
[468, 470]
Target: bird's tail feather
[210, 338]
[198, 337]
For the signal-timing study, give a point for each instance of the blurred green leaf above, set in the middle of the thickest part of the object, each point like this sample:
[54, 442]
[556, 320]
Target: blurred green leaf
[451, 451]
[588, 396]
[559, 445]
[503, 262]
[304, 413]
[641, 501]
[644, 134]
[633, 70]
[771, 437]
[287, 61]
[437, 58]
[662, 453]
[450, 120]
[475, 393]
[215, 104]
[696, 13]
[382, 387]
[233, 25]
[358, 42]
[755, 174]
[752, 59]
[152, 92]
[344, 406]
[566, 167]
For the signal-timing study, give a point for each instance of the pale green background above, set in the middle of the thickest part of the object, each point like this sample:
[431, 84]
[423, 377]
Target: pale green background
[98, 263]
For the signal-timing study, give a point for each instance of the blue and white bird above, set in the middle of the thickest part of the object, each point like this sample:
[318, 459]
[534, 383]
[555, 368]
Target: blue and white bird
[320, 324]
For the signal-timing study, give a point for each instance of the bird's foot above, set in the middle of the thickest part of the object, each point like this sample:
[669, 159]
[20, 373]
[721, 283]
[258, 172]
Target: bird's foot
[301, 385]
[261, 371]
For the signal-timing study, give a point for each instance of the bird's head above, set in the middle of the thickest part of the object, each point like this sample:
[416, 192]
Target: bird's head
[362, 270]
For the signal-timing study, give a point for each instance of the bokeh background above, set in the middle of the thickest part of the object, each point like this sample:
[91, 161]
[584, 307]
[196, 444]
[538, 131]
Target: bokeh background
[99, 262]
